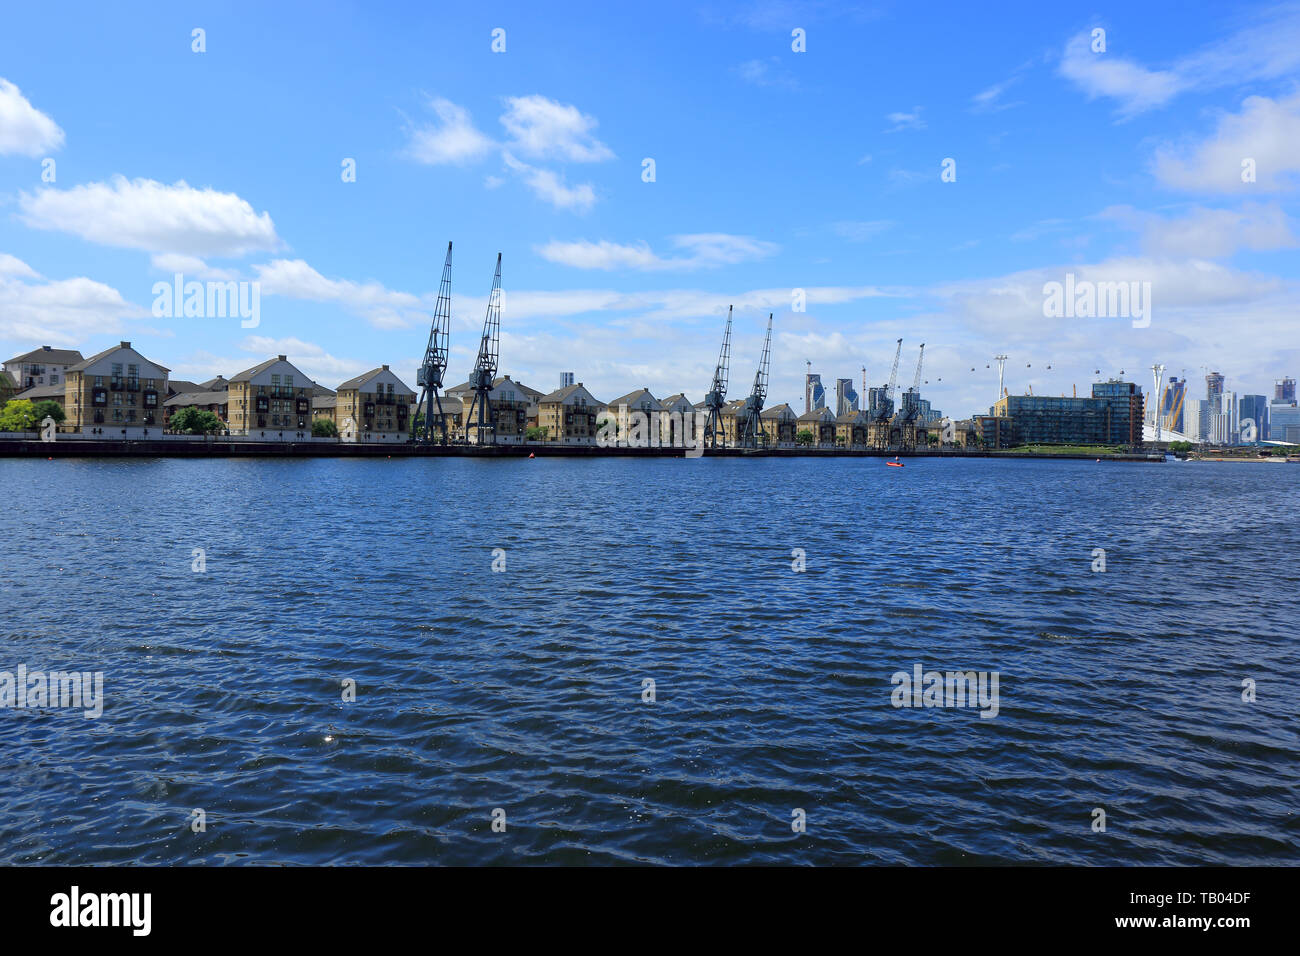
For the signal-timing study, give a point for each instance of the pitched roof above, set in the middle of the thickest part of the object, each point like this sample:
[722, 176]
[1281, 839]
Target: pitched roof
[213, 384]
[86, 363]
[561, 395]
[321, 390]
[178, 386]
[674, 400]
[635, 399]
[248, 373]
[201, 397]
[40, 392]
[365, 377]
[776, 411]
[324, 401]
[47, 354]
[851, 418]
[817, 415]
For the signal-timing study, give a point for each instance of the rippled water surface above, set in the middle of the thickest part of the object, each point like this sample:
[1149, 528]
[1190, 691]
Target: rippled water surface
[522, 690]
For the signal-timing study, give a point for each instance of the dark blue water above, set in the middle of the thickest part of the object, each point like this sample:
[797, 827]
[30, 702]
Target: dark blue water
[522, 690]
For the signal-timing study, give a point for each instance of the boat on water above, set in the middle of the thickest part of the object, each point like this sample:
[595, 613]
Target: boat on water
[894, 464]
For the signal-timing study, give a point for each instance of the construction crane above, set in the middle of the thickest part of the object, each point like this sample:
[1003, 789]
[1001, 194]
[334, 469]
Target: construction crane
[911, 406]
[717, 394]
[485, 367]
[752, 434]
[434, 367]
[883, 410]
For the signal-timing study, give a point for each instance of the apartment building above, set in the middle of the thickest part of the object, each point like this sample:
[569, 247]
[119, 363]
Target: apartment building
[374, 407]
[821, 422]
[42, 366]
[778, 424]
[117, 393]
[851, 429]
[513, 410]
[678, 421]
[570, 415]
[270, 401]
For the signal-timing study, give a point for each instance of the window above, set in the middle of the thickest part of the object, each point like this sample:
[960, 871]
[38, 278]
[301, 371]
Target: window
[99, 381]
[117, 398]
[117, 370]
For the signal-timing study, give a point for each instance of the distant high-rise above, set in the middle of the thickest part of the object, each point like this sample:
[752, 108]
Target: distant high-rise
[1284, 391]
[1253, 409]
[1172, 405]
[814, 396]
[566, 379]
[1213, 404]
[846, 399]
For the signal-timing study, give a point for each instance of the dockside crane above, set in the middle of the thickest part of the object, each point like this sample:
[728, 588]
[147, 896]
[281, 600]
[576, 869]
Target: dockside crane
[485, 367]
[434, 367]
[911, 407]
[883, 411]
[717, 394]
[752, 434]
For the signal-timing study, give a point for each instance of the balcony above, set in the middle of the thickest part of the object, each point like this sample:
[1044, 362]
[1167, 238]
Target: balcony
[133, 385]
[115, 385]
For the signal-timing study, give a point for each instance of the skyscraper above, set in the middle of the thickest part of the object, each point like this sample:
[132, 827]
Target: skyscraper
[1284, 391]
[566, 379]
[814, 396]
[1171, 407]
[846, 399]
[1253, 410]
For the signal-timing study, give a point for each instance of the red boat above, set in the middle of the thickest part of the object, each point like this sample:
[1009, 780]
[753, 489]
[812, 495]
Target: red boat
[894, 464]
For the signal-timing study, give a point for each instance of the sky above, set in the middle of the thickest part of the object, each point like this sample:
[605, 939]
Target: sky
[906, 171]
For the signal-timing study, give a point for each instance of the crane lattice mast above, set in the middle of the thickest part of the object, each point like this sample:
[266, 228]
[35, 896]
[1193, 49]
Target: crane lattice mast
[485, 367]
[434, 367]
[717, 395]
[753, 434]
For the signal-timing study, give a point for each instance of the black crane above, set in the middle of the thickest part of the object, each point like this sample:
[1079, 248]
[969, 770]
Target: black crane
[717, 395]
[883, 411]
[434, 367]
[485, 368]
[751, 433]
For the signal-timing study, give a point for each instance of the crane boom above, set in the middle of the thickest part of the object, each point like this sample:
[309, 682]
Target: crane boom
[717, 394]
[485, 366]
[434, 367]
[916, 379]
[893, 372]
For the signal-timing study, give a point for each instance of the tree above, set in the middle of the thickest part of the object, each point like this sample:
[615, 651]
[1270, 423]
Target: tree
[324, 428]
[18, 415]
[535, 433]
[195, 421]
[48, 408]
[804, 437]
[1176, 446]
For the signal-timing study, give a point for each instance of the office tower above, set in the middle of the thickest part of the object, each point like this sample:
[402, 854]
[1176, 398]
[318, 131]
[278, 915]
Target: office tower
[814, 396]
[1253, 409]
[566, 379]
[846, 399]
[1284, 391]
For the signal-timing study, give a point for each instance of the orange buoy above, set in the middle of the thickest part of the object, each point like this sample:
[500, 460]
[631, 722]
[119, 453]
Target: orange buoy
[530, 455]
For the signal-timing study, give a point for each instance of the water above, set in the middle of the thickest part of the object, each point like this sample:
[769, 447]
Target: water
[522, 690]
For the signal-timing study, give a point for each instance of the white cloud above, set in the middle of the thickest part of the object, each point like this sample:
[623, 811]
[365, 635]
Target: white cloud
[145, 214]
[902, 121]
[1266, 49]
[382, 307]
[13, 266]
[700, 251]
[454, 141]
[191, 266]
[1209, 233]
[57, 312]
[546, 129]
[990, 100]
[1107, 74]
[25, 130]
[1266, 131]
[551, 187]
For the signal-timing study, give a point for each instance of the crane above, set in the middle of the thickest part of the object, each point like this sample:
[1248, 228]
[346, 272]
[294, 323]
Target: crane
[911, 407]
[752, 434]
[883, 410]
[434, 367]
[717, 395]
[485, 367]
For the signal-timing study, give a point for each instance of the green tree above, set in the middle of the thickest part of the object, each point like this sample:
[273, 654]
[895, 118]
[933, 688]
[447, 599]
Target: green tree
[18, 415]
[324, 428]
[804, 437]
[1180, 446]
[195, 421]
[535, 433]
[48, 408]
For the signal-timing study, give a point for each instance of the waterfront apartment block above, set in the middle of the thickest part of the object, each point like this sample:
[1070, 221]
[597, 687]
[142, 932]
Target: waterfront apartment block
[270, 401]
[374, 407]
[513, 408]
[851, 429]
[821, 422]
[42, 366]
[115, 394]
[778, 423]
[1111, 416]
[679, 421]
[569, 414]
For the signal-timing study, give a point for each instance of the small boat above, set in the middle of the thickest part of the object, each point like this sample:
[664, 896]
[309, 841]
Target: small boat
[894, 464]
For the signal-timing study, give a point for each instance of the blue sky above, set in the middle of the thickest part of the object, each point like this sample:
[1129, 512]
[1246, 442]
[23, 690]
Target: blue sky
[775, 170]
